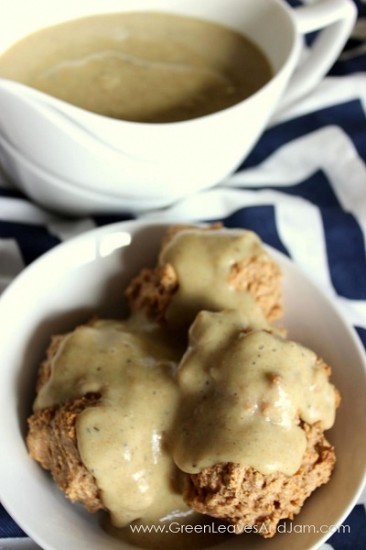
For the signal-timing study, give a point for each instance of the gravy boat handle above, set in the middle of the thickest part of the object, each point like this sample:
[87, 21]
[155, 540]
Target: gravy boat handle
[334, 19]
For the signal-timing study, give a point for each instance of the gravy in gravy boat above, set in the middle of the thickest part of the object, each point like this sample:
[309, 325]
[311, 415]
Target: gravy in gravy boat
[140, 66]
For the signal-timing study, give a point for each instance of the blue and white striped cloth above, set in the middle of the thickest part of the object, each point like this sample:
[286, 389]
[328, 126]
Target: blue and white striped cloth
[302, 189]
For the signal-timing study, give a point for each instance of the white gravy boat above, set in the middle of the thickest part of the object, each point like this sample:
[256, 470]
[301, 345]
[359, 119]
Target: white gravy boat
[78, 162]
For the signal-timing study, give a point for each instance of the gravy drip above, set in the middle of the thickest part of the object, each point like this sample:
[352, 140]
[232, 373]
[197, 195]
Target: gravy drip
[143, 67]
[202, 261]
[122, 441]
[243, 396]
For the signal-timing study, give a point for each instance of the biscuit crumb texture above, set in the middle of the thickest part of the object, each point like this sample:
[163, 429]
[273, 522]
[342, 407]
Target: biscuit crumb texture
[52, 441]
[248, 499]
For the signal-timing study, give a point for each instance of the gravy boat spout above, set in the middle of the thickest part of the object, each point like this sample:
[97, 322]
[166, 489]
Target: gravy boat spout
[63, 140]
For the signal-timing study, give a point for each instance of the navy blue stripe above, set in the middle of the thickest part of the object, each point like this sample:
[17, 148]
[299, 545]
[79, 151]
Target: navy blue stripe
[361, 6]
[356, 537]
[353, 43]
[11, 193]
[294, 3]
[362, 335]
[349, 116]
[349, 66]
[260, 219]
[316, 189]
[33, 240]
[346, 253]
[8, 527]
[106, 219]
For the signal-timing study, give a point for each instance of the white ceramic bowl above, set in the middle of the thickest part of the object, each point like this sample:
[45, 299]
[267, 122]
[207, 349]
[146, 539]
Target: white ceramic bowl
[88, 274]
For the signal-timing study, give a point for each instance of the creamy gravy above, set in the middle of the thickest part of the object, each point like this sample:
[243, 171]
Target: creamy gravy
[150, 67]
[122, 441]
[243, 396]
[203, 260]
